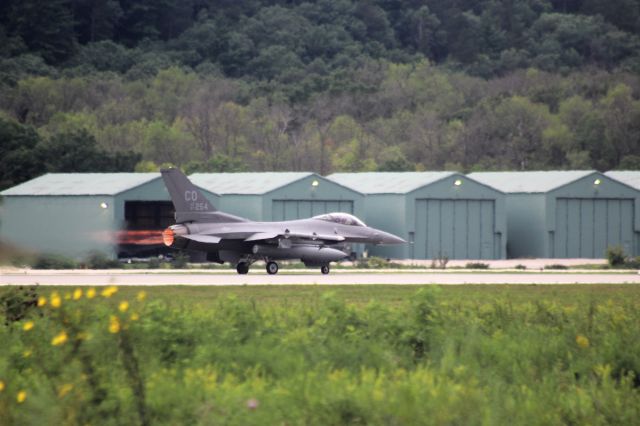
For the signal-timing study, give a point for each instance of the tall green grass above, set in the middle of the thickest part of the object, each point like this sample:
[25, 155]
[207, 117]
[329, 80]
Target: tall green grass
[302, 355]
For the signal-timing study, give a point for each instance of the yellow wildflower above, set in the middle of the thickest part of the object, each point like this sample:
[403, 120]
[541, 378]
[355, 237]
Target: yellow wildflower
[60, 339]
[582, 341]
[42, 301]
[1, 385]
[124, 305]
[114, 324]
[91, 293]
[26, 354]
[21, 397]
[64, 389]
[56, 301]
[28, 325]
[141, 295]
[109, 291]
[135, 317]
[77, 294]
[67, 296]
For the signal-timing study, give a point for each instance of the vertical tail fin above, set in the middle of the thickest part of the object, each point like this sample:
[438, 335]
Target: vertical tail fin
[186, 196]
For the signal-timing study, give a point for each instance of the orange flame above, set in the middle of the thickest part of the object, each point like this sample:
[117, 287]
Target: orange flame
[168, 237]
[143, 237]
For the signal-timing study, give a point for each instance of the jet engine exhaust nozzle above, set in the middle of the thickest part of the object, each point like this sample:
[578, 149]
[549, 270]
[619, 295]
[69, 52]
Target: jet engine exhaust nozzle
[169, 235]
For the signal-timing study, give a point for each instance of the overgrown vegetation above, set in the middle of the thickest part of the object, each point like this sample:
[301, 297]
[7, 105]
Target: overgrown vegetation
[617, 258]
[477, 265]
[299, 355]
[322, 86]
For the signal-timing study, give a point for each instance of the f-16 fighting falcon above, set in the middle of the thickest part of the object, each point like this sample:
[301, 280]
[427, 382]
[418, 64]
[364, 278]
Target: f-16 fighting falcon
[316, 241]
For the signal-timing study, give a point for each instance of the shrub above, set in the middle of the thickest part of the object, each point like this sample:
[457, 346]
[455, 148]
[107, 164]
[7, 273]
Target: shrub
[180, 260]
[616, 255]
[99, 260]
[53, 261]
[476, 265]
[16, 302]
[440, 262]
[556, 266]
[521, 266]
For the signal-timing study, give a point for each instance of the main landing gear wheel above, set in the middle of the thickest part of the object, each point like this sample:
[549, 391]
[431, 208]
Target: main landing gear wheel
[272, 268]
[324, 269]
[242, 268]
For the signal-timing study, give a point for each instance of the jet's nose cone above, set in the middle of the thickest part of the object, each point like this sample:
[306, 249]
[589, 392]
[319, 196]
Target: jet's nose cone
[388, 238]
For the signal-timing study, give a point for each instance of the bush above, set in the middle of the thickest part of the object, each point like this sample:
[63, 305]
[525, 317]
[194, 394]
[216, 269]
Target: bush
[99, 260]
[521, 266]
[556, 266]
[477, 265]
[53, 261]
[180, 260]
[16, 302]
[616, 256]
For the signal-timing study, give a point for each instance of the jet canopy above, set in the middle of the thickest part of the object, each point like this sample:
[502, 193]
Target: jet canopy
[341, 218]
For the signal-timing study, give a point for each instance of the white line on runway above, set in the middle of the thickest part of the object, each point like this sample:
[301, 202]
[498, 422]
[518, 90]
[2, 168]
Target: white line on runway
[332, 279]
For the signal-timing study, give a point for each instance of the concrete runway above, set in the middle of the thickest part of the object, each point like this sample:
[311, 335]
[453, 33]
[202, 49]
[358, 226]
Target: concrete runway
[219, 278]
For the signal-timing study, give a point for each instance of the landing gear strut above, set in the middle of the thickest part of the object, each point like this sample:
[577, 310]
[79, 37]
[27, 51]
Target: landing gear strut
[242, 268]
[272, 268]
[324, 269]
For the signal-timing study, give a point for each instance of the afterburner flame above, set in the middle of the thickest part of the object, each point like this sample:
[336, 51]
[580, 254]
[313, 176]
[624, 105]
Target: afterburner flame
[168, 237]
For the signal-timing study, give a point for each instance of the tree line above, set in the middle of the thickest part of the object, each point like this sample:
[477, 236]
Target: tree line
[324, 86]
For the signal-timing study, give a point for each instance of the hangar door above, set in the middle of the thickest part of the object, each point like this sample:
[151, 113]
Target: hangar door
[303, 209]
[458, 229]
[585, 227]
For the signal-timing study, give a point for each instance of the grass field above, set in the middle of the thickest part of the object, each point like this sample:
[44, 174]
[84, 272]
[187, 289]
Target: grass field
[311, 355]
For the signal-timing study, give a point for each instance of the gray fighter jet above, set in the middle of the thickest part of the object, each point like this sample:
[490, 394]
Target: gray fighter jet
[226, 238]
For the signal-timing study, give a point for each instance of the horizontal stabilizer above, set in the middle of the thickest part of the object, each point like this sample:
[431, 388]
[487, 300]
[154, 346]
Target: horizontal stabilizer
[200, 238]
[262, 236]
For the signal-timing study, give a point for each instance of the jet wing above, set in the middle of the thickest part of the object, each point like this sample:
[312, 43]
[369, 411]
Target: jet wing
[262, 236]
[210, 239]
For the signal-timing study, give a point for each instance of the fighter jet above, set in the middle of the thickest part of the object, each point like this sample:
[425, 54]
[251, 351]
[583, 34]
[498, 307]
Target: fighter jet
[316, 241]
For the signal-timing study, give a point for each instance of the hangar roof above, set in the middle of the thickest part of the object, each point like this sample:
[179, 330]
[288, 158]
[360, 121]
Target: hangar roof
[81, 184]
[628, 177]
[245, 183]
[529, 182]
[387, 182]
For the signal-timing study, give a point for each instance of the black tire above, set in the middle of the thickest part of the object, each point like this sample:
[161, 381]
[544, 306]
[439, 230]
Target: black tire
[272, 268]
[324, 269]
[242, 268]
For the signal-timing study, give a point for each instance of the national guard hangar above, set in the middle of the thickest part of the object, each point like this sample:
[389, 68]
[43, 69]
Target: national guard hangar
[441, 214]
[628, 177]
[567, 214]
[74, 214]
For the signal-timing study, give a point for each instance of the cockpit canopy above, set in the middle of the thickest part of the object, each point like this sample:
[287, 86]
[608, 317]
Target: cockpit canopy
[341, 218]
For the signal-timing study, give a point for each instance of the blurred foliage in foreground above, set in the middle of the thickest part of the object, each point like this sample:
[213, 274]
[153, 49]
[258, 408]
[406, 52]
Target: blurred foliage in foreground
[110, 356]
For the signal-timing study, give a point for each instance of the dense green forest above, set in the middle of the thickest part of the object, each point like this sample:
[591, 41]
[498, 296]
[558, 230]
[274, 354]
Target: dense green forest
[331, 85]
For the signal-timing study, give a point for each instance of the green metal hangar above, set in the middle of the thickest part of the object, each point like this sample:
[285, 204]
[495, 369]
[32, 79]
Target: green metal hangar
[439, 213]
[78, 213]
[275, 196]
[566, 214]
